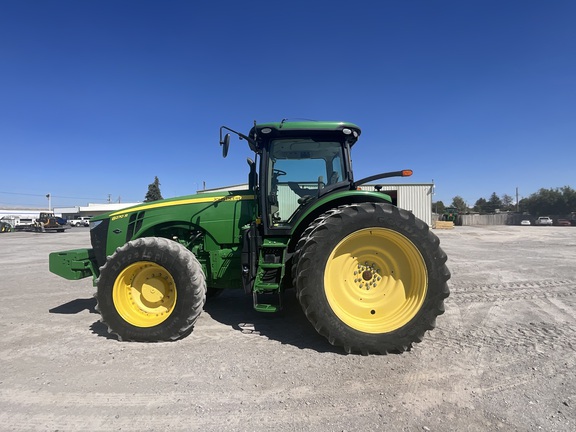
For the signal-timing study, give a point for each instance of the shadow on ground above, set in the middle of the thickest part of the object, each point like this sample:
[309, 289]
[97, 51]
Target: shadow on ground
[75, 306]
[79, 305]
[290, 326]
[233, 308]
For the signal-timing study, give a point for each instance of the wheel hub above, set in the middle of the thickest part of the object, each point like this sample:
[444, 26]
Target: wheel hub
[367, 276]
[152, 291]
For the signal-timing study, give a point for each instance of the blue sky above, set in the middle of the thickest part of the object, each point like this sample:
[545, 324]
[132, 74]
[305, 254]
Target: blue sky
[98, 97]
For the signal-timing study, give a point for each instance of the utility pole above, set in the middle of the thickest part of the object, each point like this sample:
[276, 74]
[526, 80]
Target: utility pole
[49, 202]
[433, 192]
[517, 203]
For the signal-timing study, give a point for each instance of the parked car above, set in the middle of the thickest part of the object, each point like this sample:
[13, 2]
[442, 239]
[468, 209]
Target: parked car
[81, 221]
[525, 222]
[544, 221]
[563, 222]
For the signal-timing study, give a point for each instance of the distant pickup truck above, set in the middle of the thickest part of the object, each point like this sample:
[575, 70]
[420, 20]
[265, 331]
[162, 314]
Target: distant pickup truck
[543, 220]
[81, 221]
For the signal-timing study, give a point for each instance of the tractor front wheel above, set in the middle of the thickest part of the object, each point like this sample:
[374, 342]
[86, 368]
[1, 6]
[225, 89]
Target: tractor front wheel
[371, 277]
[151, 289]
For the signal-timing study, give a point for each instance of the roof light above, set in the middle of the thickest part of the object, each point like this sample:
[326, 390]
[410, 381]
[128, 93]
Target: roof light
[266, 130]
[346, 131]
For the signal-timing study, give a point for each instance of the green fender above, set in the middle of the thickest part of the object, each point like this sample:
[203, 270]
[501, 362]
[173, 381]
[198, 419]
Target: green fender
[332, 201]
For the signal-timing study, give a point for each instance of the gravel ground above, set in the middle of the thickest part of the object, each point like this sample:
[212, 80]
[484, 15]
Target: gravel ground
[501, 358]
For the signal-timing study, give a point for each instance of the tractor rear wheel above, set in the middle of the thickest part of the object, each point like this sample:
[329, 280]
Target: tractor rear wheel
[151, 289]
[371, 277]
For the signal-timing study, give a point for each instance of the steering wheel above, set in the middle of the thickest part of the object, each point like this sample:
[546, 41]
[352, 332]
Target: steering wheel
[278, 172]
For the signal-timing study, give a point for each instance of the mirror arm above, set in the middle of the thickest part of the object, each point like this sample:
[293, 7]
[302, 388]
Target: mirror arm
[240, 135]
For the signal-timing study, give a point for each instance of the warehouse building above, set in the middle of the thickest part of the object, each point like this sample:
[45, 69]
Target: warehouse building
[416, 198]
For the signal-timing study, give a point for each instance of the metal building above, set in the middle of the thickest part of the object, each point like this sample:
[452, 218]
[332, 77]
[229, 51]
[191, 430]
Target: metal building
[416, 198]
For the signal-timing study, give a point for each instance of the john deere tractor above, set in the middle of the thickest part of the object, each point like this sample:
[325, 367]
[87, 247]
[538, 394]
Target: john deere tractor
[451, 214]
[369, 276]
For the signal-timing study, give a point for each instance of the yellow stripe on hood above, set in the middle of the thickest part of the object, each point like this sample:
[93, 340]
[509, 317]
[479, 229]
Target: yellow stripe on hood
[183, 202]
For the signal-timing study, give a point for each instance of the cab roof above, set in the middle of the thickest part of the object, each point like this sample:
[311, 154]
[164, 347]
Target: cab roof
[332, 130]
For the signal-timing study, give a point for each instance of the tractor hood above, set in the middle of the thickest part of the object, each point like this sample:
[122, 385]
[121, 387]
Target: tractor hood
[218, 216]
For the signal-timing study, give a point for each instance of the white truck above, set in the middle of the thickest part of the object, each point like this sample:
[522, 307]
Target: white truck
[543, 221]
[81, 221]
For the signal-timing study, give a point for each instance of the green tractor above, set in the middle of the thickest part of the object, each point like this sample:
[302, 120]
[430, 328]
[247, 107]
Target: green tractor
[370, 277]
[451, 214]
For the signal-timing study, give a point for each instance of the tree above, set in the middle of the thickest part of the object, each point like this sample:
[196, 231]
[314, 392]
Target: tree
[480, 205]
[507, 202]
[153, 193]
[559, 201]
[494, 203]
[569, 196]
[460, 204]
[438, 207]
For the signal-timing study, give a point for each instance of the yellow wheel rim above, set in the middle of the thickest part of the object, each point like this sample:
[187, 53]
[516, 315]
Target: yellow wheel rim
[375, 280]
[144, 294]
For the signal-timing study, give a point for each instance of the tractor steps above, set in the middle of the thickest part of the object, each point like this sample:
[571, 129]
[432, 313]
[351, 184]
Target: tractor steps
[266, 291]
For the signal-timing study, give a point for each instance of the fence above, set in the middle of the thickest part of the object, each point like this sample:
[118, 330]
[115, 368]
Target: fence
[491, 219]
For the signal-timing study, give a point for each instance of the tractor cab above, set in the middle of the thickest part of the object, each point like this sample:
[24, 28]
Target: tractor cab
[299, 162]
[297, 168]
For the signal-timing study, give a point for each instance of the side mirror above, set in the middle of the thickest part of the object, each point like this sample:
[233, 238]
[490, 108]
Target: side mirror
[225, 143]
[253, 176]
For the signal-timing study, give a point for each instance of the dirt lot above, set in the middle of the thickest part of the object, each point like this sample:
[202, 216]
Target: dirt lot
[501, 358]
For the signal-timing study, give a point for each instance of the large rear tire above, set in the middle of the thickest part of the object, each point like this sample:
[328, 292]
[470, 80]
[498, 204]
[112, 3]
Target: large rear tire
[151, 289]
[370, 277]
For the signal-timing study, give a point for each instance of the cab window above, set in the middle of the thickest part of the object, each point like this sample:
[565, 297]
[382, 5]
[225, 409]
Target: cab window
[298, 170]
